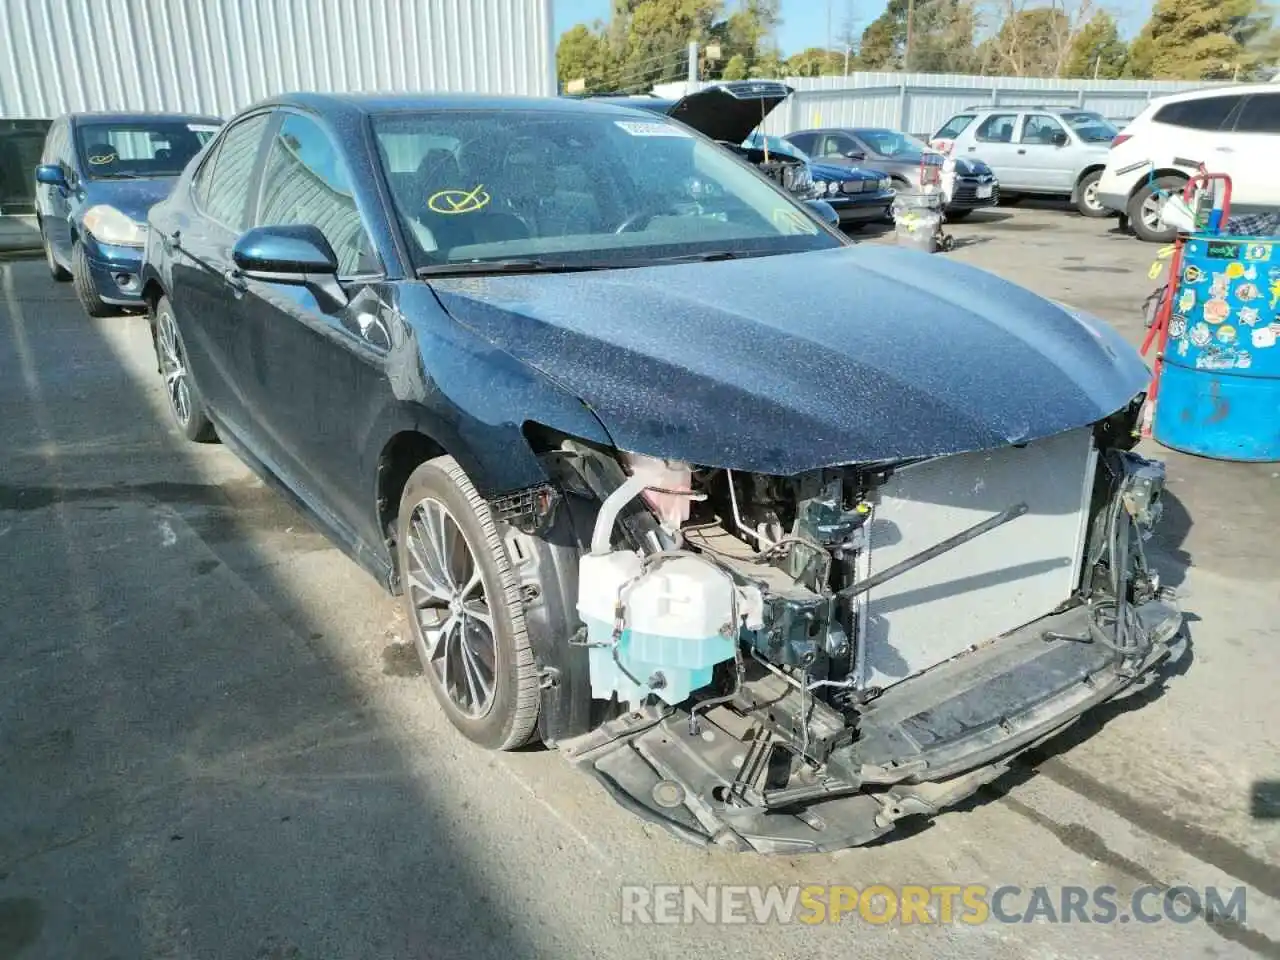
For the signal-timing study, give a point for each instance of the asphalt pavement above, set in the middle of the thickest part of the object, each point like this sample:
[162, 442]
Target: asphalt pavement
[215, 742]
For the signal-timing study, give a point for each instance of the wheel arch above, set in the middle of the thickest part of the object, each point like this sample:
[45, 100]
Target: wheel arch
[1159, 172]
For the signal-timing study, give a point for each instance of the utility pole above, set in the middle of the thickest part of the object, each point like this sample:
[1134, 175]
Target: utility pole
[911, 16]
[693, 64]
[828, 47]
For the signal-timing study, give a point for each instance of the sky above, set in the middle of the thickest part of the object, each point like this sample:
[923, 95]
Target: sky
[804, 22]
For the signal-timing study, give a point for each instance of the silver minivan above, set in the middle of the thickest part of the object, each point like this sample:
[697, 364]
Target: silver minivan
[1041, 150]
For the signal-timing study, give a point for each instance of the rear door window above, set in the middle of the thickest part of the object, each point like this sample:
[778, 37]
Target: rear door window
[804, 141]
[997, 128]
[1260, 114]
[224, 194]
[1202, 113]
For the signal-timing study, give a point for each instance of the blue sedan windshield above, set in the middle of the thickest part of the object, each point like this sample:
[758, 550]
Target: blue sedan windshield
[578, 187]
[139, 148]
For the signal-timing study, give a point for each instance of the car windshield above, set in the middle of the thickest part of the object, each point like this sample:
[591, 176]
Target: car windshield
[578, 188]
[758, 141]
[140, 148]
[1091, 128]
[891, 143]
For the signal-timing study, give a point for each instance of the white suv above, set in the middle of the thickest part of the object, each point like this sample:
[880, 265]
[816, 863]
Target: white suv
[1230, 129]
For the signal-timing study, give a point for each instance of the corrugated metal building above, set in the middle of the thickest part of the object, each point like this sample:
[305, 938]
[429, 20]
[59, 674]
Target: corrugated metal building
[217, 56]
[921, 102]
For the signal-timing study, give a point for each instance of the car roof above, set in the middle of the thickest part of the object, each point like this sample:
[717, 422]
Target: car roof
[1044, 107]
[1225, 90]
[367, 104]
[135, 116]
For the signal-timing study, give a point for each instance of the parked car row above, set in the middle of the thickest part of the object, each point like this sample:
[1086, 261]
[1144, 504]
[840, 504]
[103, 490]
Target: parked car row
[666, 471]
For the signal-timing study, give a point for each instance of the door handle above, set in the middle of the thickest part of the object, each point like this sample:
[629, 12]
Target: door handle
[1022, 152]
[235, 280]
[973, 149]
[1224, 149]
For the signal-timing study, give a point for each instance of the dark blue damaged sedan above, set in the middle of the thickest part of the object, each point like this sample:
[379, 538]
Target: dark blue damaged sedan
[779, 539]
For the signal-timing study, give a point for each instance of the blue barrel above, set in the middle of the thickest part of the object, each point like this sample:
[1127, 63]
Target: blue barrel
[1220, 390]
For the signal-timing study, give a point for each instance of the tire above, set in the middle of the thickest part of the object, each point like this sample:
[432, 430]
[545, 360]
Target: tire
[1087, 202]
[56, 270]
[955, 216]
[1140, 213]
[440, 496]
[85, 289]
[185, 403]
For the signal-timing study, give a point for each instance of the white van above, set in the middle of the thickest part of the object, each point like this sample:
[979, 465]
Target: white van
[1230, 129]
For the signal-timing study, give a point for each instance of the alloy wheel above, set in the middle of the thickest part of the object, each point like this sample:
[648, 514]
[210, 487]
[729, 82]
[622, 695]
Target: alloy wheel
[454, 623]
[173, 367]
[1091, 196]
[1150, 213]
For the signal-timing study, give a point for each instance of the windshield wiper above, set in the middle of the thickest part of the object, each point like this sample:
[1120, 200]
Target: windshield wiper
[695, 257]
[523, 265]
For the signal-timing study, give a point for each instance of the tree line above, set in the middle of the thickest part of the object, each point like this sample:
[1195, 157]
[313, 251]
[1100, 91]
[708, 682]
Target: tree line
[646, 42]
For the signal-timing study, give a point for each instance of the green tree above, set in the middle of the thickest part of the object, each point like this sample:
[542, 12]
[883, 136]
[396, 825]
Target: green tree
[942, 35]
[583, 54]
[655, 39]
[814, 62]
[1097, 50]
[1031, 42]
[1200, 40]
[735, 68]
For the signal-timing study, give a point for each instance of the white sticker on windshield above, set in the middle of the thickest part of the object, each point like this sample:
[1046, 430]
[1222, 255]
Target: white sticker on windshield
[203, 128]
[639, 128]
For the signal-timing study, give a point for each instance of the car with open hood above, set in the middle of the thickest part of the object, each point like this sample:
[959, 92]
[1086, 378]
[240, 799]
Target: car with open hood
[728, 112]
[777, 568]
[857, 196]
[98, 176]
[968, 182]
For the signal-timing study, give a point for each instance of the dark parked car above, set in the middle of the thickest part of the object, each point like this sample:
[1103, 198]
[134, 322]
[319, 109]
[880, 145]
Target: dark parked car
[99, 174]
[857, 196]
[667, 472]
[905, 159]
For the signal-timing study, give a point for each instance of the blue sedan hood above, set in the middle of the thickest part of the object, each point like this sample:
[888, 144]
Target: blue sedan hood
[133, 198]
[828, 171]
[787, 363]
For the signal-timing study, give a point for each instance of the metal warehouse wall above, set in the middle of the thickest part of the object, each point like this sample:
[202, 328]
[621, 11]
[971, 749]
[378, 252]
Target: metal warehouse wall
[922, 102]
[216, 56]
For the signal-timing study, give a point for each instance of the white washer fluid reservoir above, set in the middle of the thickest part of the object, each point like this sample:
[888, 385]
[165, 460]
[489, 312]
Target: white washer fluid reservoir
[674, 617]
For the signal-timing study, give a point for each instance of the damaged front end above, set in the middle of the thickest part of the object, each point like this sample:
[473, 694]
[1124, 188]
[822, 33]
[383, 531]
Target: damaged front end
[792, 664]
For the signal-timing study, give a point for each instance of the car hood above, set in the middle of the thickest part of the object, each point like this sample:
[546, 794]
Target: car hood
[967, 167]
[729, 111]
[829, 171]
[133, 198]
[787, 363]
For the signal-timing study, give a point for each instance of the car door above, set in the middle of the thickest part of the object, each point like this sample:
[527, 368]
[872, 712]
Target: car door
[201, 235]
[1044, 154]
[993, 143]
[1245, 153]
[317, 365]
[55, 201]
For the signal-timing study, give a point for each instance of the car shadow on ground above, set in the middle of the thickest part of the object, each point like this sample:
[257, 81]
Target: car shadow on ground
[186, 766]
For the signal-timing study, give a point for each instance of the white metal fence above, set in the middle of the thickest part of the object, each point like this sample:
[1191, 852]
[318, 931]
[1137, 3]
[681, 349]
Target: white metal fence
[922, 102]
[217, 56]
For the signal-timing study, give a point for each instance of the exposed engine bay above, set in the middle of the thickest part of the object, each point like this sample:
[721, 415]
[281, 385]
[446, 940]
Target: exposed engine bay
[886, 633]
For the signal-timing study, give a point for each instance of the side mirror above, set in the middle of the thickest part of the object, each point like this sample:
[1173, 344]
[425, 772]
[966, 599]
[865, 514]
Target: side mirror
[1059, 139]
[51, 174]
[824, 212]
[855, 155]
[298, 254]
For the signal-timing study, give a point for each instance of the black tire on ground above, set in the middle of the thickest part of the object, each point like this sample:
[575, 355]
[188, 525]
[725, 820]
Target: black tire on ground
[193, 423]
[1087, 196]
[56, 270]
[955, 216]
[85, 290]
[512, 715]
[1153, 233]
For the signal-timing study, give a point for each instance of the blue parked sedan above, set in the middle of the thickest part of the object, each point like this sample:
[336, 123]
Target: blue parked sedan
[858, 196]
[614, 414]
[99, 174]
